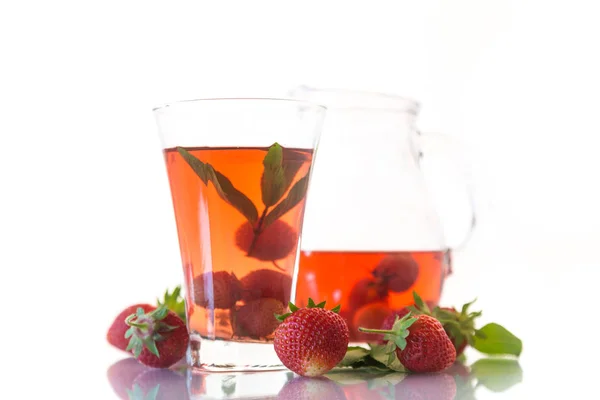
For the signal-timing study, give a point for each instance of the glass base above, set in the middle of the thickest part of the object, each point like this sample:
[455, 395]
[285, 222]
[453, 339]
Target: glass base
[228, 356]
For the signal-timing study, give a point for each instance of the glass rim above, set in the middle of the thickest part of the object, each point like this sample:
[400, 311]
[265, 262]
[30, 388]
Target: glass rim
[239, 99]
[410, 105]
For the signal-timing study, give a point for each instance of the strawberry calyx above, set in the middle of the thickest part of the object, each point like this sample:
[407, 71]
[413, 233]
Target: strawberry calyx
[145, 329]
[311, 304]
[460, 325]
[396, 337]
[174, 302]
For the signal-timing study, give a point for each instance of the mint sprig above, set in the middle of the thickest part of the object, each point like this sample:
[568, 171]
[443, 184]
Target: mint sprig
[222, 184]
[273, 180]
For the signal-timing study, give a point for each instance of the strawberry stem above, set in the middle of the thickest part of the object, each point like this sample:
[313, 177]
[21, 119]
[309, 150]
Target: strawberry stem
[382, 331]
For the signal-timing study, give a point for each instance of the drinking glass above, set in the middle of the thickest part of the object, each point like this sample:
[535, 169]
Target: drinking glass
[239, 171]
[373, 234]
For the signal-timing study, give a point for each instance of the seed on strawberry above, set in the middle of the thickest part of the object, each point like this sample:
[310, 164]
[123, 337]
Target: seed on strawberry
[158, 338]
[266, 283]
[366, 291]
[369, 315]
[420, 343]
[311, 341]
[397, 272]
[275, 242]
[116, 332]
[216, 290]
[255, 319]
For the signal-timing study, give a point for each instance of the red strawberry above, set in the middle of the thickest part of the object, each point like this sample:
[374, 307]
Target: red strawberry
[459, 326]
[216, 290]
[397, 272]
[369, 315]
[116, 332]
[158, 338]
[388, 322]
[420, 343]
[255, 318]
[311, 341]
[266, 283]
[366, 291]
[275, 242]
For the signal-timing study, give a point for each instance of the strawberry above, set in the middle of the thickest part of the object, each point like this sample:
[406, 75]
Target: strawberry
[369, 315]
[275, 242]
[216, 289]
[459, 326]
[157, 338]
[266, 283]
[397, 272]
[116, 332]
[311, 341]
[366, 291]
[255, 318]
[388, 322]
[420, 343]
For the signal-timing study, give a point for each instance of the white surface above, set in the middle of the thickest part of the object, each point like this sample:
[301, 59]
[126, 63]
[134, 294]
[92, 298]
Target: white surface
[86, 224]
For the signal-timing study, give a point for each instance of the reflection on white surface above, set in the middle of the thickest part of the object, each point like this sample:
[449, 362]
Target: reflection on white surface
[133, 381]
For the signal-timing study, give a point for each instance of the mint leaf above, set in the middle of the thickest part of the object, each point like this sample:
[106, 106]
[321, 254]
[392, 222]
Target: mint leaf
[222, 184]
[379, 353]
[497, 340]
[497, 374]
[354, 355]
[295, 196]
[273, 180]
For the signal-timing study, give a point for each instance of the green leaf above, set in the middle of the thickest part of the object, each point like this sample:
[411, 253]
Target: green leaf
[321, 305]
[311, 303]
[282, 317]
[293, 307]
[222, 184]
[354, 355]
[498, 340]
[497, 374]
[295, 196]
[337, 308]
[378, 353]
[174, 302]
[272, 182]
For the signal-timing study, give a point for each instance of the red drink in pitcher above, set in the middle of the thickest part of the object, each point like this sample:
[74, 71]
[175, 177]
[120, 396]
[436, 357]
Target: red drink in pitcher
[370, 285]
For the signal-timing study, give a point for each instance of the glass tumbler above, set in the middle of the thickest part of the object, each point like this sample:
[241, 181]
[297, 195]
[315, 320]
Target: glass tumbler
[239, 171]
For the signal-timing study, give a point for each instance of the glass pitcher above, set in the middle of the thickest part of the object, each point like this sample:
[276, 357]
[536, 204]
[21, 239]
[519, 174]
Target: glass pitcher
[372, 234]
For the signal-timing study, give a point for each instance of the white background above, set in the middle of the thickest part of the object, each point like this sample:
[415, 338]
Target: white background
[86, 224]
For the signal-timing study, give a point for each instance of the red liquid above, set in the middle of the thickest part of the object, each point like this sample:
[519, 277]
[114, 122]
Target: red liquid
[212, 239]
[369, 285]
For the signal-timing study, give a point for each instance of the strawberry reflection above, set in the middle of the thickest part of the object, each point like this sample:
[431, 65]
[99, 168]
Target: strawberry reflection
[459, 382]
[132, 381]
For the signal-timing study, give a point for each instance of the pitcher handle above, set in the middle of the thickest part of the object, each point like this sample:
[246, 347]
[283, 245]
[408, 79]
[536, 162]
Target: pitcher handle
[445, 150]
